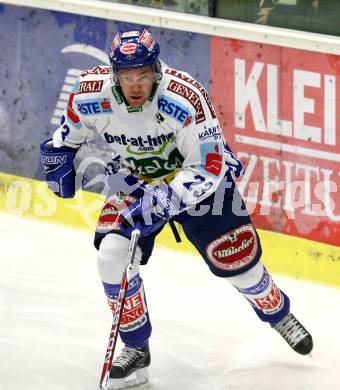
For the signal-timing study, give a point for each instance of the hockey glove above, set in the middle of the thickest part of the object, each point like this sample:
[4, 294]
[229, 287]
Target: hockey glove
[59, 169]
[153, 210]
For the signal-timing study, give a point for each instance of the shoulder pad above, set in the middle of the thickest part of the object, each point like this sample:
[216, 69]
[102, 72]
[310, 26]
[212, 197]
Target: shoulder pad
[92, 81]
[175, 108]
[182, 84]
[97, 70]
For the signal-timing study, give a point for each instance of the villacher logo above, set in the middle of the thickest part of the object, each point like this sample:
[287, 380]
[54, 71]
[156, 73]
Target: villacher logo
[234, 250]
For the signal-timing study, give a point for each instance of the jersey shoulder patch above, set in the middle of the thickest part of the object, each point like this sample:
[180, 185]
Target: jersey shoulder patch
[182, 84]
[97, 71]
[92, 81]
[175, 108]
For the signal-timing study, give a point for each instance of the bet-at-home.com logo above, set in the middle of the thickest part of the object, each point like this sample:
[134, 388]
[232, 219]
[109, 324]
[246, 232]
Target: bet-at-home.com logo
[142, 145]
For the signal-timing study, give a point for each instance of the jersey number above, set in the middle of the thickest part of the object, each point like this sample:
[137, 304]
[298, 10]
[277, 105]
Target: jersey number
[66, 131]
[201, 182]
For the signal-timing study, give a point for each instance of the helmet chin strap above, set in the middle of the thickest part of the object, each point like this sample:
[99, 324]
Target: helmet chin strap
[157, 68]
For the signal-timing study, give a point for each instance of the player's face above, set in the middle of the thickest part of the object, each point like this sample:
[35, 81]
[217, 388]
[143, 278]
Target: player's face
[137, 84]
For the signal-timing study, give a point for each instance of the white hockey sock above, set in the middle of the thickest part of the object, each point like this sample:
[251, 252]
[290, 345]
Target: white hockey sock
[258, 287]
[249, 278]
[135, 326]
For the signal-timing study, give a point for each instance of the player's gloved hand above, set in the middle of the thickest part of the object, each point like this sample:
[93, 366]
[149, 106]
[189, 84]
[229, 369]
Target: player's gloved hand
[153, 210]
[59, 169]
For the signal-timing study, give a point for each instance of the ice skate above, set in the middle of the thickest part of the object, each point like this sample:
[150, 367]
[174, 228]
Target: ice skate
[129, 369]
[295, 334]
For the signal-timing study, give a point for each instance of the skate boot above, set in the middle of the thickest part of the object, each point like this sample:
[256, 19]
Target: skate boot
[295, 334]
[130, 368]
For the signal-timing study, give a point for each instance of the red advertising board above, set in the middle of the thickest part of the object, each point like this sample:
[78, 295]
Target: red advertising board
[278, 109]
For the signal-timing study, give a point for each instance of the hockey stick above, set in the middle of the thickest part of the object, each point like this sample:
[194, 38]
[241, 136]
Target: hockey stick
[172, 223]
[119, 308]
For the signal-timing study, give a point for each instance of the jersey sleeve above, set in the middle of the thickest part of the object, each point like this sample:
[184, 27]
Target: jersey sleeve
[203, 166]
[207, 157]
[73, 130]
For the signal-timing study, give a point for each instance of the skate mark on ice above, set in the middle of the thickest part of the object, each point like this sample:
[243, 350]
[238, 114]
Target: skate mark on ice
[19, 346]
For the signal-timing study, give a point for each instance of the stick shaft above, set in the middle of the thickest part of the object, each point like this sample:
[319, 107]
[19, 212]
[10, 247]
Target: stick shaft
[119, 309]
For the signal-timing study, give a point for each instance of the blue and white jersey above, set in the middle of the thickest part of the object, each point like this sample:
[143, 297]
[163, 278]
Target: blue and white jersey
[175, 131]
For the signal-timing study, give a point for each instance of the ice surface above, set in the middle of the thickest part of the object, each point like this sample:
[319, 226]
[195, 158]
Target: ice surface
[54, 321]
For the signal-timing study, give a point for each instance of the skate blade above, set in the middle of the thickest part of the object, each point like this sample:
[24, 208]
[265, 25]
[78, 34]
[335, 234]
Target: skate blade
[137, 378]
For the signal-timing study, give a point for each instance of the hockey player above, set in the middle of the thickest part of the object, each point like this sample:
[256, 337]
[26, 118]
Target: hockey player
[161, 124]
